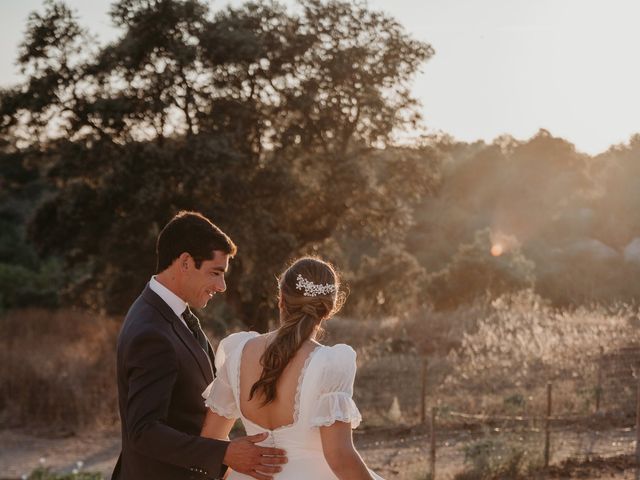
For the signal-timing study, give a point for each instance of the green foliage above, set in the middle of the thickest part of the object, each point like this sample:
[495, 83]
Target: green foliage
[393, 277]
[26, 279]
[571, 215]
[13, 248]
[265, 120]
[515, 401]
[20, 286]
[277, 123]
[47, 474]
[489, 459]
[423, 476]
[474, 271]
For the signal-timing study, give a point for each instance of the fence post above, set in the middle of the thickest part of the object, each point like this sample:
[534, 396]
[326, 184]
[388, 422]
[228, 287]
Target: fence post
[599, 387]
[432, 450]
[547, 427]
[423, 396]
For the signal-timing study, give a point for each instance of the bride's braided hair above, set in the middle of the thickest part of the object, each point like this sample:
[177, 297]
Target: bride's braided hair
[300, 315]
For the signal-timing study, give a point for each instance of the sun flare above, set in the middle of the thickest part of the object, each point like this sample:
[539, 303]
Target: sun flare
[497, 250]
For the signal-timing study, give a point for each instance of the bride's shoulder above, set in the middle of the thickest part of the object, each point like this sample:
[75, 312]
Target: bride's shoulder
[336, 367]
[337, 354]
[231, 342]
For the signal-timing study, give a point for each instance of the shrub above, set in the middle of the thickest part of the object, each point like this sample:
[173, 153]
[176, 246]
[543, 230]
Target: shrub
[490, 459]
[21, 286]
[474, 272]
[47, 474]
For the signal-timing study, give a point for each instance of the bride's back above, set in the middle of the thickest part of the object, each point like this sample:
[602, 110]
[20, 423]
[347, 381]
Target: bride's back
[280, 412]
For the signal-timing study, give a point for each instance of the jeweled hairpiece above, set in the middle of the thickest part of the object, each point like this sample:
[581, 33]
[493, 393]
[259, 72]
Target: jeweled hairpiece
[313, 289]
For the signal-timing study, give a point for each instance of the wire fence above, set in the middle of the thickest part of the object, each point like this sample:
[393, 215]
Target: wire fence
[592, 415]
[392, 388]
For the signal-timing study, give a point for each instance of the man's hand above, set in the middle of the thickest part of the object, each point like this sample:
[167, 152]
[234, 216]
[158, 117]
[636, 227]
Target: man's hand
[258, 462]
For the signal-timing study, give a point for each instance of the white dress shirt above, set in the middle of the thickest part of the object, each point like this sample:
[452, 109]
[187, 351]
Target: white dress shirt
[175, 302]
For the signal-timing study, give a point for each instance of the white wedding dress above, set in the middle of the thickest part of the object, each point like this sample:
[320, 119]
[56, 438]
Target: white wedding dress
[324, 395]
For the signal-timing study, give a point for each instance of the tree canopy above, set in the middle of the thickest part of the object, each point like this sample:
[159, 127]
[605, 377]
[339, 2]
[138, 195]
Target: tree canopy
[272, 123]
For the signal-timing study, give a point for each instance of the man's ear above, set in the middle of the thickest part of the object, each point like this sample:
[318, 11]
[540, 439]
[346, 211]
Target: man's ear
[185, 261]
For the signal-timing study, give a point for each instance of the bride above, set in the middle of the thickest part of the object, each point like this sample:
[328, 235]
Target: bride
[286, 384]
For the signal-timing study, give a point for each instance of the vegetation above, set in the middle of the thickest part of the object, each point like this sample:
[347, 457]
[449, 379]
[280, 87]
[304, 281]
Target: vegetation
[507, 264]
[489, 459]
[269, 122]
[47, 474]
[57, 370]
[534, 213]
[282, 131]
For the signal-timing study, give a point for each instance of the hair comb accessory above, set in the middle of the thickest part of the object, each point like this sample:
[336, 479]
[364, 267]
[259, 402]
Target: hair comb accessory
[312, 289]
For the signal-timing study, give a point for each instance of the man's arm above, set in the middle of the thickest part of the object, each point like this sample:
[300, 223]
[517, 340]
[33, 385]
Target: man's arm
[151, 369]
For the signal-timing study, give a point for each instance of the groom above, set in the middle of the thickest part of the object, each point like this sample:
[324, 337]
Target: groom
[165, 362]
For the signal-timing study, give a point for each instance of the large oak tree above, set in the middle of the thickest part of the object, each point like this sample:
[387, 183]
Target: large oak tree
[273, 123]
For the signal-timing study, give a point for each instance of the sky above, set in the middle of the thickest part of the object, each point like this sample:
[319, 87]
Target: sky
[501, 66]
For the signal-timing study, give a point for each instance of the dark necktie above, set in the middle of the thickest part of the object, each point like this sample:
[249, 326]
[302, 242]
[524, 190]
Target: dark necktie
[194, 325]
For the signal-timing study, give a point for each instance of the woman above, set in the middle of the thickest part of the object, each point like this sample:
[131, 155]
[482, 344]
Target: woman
[287, 384]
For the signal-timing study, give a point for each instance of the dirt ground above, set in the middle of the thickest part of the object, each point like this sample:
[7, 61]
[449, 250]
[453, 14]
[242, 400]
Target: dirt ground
[396, 454]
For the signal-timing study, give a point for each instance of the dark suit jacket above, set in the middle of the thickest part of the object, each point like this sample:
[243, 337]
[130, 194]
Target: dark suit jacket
[162, 372]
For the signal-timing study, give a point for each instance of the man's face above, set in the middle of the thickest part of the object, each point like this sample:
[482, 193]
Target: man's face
[201, 284]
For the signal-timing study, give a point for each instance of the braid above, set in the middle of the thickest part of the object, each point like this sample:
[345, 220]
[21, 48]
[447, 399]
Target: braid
[300, 316]
[289, 339]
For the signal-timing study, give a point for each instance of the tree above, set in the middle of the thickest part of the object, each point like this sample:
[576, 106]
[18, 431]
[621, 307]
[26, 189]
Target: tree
[25, 279]
[474, 272]
[268, 122]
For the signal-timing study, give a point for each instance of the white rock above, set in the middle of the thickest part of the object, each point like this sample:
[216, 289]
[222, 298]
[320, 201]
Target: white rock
[395, 414]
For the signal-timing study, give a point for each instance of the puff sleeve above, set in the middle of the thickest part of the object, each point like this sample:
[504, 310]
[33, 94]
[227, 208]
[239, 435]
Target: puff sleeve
[335, 402]
[219, 395]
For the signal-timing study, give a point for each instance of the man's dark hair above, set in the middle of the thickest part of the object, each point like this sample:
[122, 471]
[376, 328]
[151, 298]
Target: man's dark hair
[193, 233]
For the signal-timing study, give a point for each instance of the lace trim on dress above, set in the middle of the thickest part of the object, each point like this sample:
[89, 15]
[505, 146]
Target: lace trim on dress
[229, 413]
[219, 411]
[336, 407]
[235, 389]
[296, 398]
[328, 421]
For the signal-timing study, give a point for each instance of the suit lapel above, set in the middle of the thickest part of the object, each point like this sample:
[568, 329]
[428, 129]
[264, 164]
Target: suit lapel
[183, 333]
[196, 350]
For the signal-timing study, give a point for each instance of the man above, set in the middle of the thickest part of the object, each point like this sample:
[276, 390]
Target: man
[165, 362]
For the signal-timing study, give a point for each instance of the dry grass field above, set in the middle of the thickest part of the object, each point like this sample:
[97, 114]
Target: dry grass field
[490, 361]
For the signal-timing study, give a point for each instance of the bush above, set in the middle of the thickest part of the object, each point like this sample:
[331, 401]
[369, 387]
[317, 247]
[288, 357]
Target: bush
[21, 286]
[475, 272]
[47, 474]
[489, 459]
